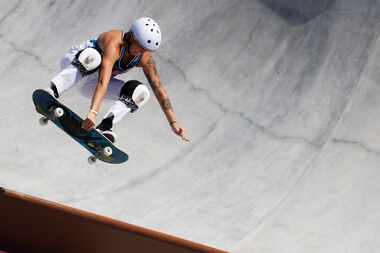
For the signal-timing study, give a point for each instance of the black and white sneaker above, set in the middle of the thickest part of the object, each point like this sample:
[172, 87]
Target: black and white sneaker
[53, 91]
[105, 128]
[111, 136]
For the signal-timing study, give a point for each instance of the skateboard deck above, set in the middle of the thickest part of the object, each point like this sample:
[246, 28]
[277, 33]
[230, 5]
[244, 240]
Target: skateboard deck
[67, 120]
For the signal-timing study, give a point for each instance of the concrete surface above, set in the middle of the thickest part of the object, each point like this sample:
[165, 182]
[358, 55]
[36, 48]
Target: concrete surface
[281, 100]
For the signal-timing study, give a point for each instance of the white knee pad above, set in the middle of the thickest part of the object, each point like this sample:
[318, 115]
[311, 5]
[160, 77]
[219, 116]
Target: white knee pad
[140, 95]
[88, 60]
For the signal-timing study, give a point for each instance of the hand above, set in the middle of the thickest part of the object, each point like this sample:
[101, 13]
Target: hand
[179, 131]
[89, 123]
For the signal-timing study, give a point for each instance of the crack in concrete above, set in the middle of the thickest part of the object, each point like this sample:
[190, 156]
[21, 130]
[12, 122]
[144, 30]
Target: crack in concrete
[358, 144]
[193, 87]
[25, 52]
[10, 12]
[226, 110]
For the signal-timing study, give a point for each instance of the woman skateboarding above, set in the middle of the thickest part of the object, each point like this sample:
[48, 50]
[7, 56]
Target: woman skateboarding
[111, 54]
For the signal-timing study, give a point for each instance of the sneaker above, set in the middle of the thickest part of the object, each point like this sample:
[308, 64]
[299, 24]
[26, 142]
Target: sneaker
[111, 136]
[106, 123]
[50, 91]
[54, 89]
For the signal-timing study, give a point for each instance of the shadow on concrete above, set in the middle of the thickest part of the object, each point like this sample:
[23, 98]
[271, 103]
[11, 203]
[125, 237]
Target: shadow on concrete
[298, 11]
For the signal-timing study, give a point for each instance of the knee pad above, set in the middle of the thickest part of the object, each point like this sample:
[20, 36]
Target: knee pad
[128, 88]
[87, 60]
[141, 95]
[134, 94]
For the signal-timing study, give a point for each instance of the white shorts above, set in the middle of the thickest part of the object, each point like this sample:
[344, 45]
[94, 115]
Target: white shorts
[70, 75]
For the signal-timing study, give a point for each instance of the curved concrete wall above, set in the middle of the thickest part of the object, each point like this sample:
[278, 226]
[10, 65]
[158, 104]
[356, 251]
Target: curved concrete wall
[280, 103]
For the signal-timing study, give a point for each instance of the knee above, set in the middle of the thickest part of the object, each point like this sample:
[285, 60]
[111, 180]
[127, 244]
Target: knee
[141, 95]
[87, 60]
[137, 91]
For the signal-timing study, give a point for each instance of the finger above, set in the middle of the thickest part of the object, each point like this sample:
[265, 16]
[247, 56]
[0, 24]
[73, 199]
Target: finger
[177, 131]
[87, 125]
[182, 134]
[185, 139]
[91, 125]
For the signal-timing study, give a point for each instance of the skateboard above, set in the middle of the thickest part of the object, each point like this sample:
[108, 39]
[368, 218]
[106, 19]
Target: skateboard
[67, 120]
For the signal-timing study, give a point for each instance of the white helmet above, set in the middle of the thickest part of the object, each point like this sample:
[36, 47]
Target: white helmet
[147, 32]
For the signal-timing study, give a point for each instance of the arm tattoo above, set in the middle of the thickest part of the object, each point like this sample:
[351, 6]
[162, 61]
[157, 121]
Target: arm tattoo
[152, 63]
[155, 86]
[150, 80]
[149, 77]
[157, 89]
[166, 104]
[160, 94]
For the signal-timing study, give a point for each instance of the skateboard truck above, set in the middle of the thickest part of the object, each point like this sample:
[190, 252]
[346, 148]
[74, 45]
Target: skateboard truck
[56, 113]
[106, 152]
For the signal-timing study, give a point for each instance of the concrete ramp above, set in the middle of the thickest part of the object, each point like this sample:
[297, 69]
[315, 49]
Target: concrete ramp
[279, 98]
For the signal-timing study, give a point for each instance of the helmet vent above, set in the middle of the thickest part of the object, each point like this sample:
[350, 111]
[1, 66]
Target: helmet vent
[147, 33]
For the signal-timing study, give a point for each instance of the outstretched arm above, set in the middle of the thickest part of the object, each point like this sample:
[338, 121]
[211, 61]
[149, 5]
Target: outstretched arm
[151, 73]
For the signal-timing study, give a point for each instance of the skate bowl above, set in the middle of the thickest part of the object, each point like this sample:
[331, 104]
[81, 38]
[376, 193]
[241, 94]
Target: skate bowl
[280, 100]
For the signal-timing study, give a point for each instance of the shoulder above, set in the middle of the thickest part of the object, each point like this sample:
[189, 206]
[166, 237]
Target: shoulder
[146, 60]
[110, 40]
[112, 34]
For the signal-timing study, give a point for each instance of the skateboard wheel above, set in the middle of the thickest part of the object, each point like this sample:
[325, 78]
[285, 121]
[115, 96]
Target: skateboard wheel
[43, 121]
[58, 112]
[107, 151]
[92, 160]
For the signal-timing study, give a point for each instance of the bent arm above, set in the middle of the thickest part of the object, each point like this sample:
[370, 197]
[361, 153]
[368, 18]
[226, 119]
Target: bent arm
[151, 74]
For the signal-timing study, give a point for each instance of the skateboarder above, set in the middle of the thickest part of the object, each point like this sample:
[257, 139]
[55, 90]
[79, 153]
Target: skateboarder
[111, 54]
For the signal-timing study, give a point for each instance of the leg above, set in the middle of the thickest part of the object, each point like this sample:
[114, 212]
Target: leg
[117, 111]
[65, 79]
[133, 95]
[69, 74]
